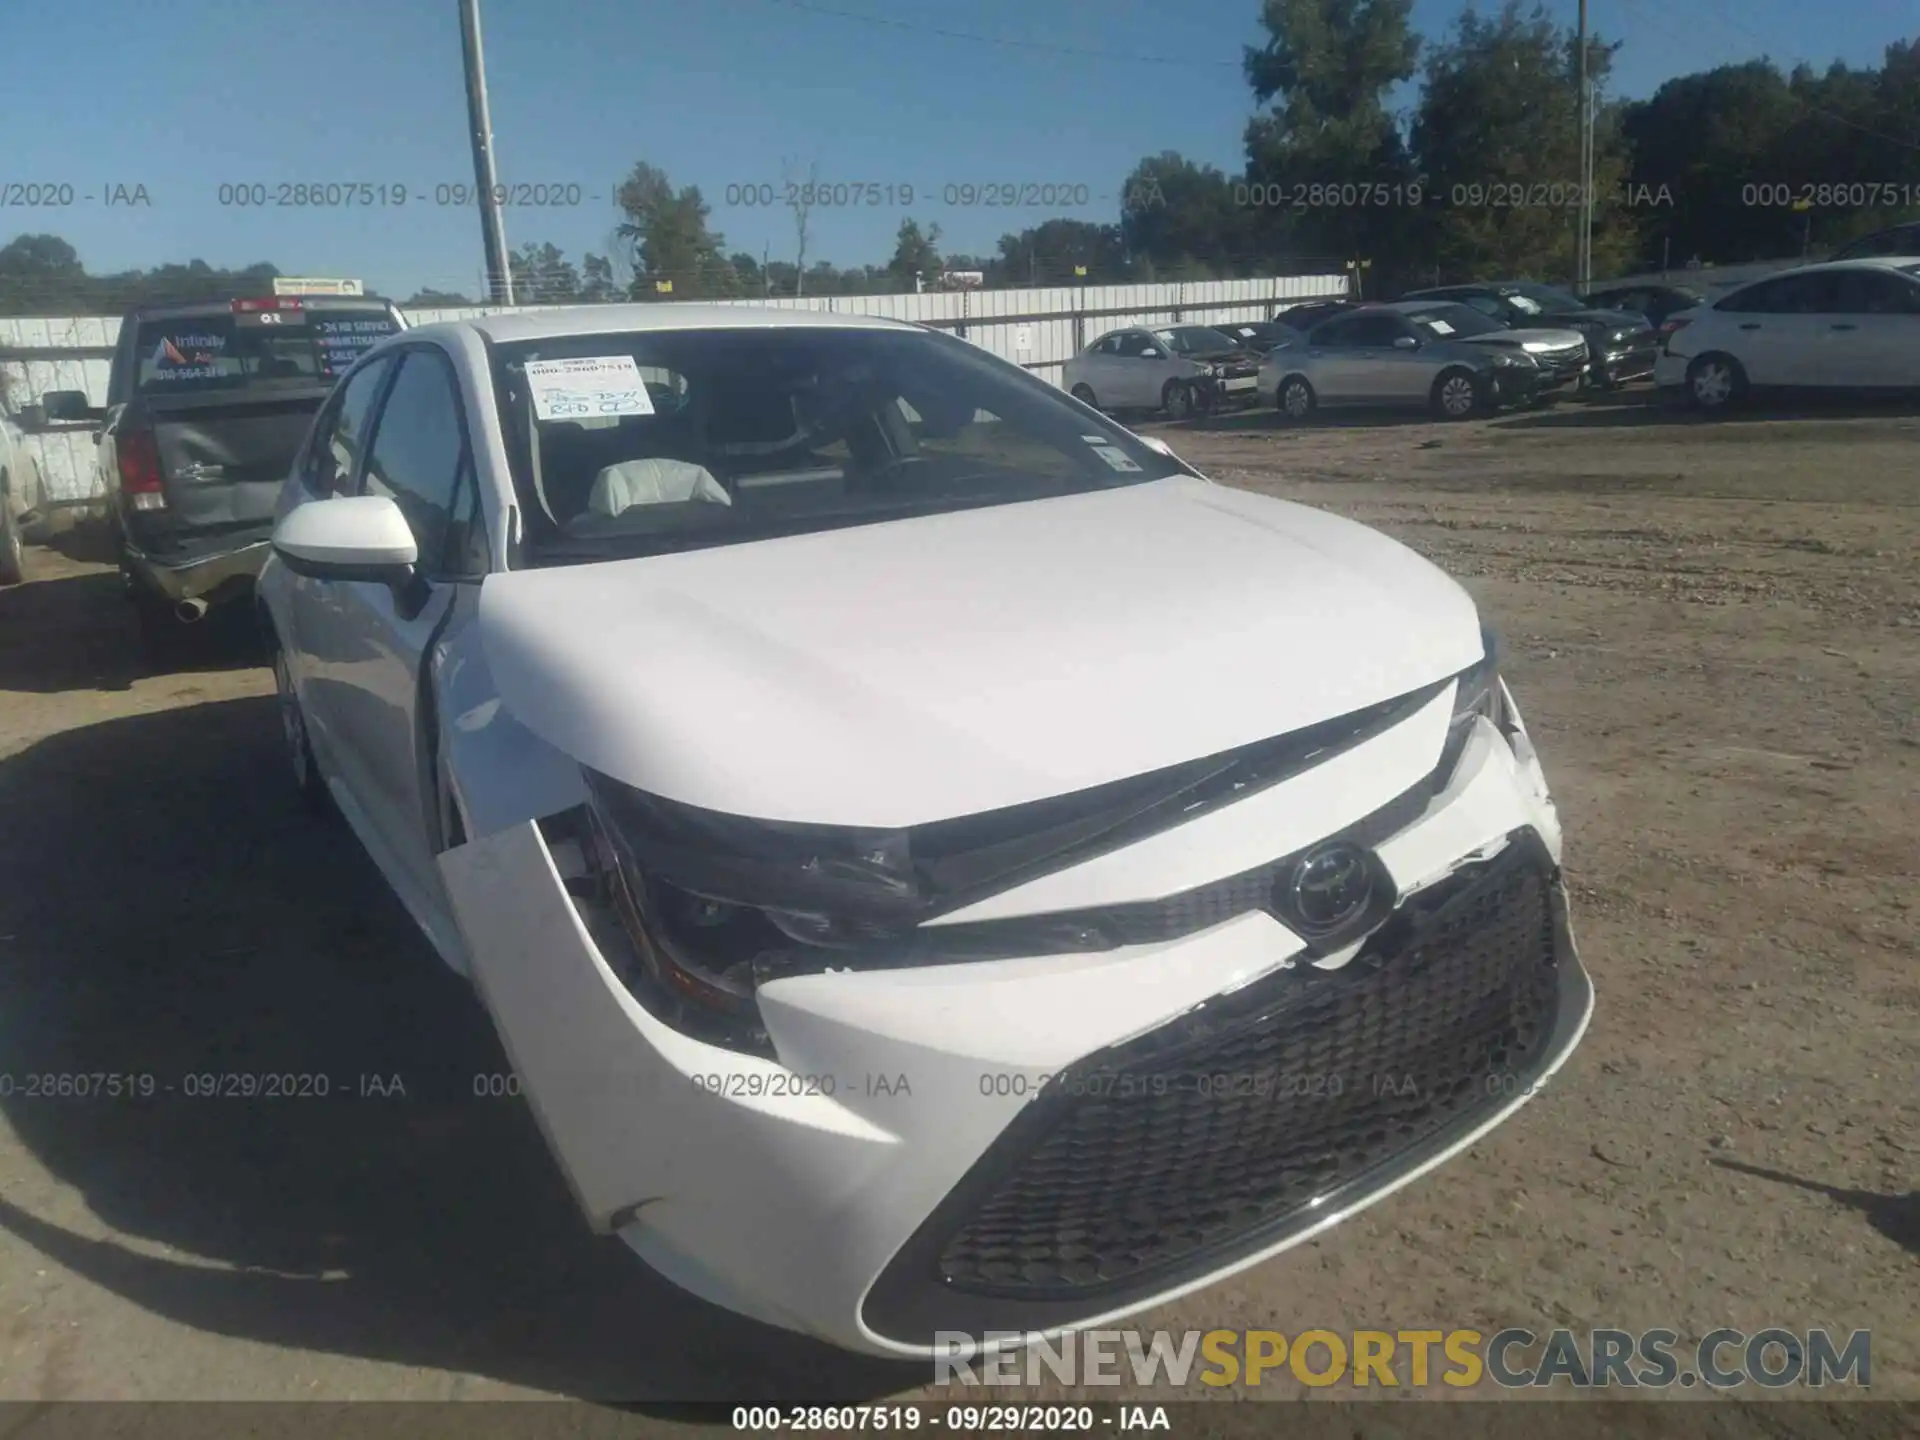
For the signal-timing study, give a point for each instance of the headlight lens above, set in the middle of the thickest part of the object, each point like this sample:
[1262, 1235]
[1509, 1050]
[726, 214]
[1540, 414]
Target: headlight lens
[709, 907]
[1477, 695]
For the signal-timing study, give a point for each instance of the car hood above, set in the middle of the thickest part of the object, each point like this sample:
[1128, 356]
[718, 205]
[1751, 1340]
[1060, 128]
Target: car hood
[1618, 319]
[1529, 335]
[920, 669]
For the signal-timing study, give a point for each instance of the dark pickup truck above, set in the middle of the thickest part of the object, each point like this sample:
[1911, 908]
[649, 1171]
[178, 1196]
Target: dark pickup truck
[207, 405]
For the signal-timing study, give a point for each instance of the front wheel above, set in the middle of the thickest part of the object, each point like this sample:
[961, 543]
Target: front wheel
[1715, 383]
[1176, 398]
[1458, 395]
[1296, 399]
[1084, 394]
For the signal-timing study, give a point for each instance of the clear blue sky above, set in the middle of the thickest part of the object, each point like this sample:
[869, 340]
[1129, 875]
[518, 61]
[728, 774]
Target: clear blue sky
[183, 95]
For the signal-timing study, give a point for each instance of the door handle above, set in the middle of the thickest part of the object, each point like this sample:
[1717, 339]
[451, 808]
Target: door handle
[1843, 327]
[1751, 325]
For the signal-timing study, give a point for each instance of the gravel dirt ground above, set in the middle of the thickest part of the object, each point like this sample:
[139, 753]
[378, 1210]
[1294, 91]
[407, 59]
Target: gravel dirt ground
[1713, 630]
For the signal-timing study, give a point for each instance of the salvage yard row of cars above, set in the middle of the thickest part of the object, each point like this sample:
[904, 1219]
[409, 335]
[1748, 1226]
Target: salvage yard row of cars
[1464, 350]
[831, 754]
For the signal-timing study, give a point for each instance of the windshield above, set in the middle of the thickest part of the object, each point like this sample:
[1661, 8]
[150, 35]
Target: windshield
[1260, 332]
[1544, 298]
[1454, 320]
[1198, 339]
[636, 444]
[227, 351]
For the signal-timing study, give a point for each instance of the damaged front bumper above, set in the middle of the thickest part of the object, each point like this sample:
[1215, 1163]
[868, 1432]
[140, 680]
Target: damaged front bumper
[1005, 1144]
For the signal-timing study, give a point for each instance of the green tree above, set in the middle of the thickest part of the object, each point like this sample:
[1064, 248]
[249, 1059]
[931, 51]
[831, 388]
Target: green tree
[1497, 137]
[1327, 163]
[1704, 139]
[42, 275]
[668, 232]
[431, 299]
[542, 275]
[1182, 216]
[598, 285]
[1048, 253]
[916, 255]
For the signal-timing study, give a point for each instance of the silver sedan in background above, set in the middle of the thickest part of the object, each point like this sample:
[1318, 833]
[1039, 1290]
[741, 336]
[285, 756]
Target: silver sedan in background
[1561, 353]
[1376, 355]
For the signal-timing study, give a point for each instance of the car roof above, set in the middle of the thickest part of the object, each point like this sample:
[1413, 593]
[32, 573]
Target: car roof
[206, 309]
[566, 321]
[1416, 305]
[1895, 263]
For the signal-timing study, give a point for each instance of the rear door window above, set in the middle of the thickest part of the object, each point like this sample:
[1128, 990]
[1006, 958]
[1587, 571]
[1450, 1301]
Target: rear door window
[233, 351]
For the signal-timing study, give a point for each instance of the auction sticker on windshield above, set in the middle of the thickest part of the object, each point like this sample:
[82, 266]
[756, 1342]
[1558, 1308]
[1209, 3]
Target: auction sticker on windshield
[592, 385]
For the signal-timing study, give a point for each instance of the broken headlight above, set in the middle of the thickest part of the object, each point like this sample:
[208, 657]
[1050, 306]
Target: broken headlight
[700, 909]
[1478, 694]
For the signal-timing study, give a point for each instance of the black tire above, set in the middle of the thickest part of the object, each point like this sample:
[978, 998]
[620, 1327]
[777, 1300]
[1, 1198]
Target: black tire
[1177, 399]
[307, 782]
[1084, 394]
[13, 556]
[1715, 383]
[1458, 395]
[1295, 398]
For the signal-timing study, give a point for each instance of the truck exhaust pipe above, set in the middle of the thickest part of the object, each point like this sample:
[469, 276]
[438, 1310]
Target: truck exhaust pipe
[188, 611]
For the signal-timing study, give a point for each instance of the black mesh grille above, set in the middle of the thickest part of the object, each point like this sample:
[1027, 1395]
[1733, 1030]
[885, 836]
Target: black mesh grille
[1235, 1116]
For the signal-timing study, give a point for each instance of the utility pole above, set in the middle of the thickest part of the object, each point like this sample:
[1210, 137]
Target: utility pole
[1583, 263]
[480, 128]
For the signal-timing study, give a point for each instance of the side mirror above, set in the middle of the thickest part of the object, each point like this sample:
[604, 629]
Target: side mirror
[68, 405]
[353, 537]
[1405, 342]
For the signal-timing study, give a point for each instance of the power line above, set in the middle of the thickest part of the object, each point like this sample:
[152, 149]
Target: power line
[1081, 51]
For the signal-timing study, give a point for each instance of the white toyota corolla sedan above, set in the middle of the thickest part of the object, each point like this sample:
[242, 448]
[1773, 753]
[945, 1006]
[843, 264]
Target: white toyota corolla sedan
[935, 861]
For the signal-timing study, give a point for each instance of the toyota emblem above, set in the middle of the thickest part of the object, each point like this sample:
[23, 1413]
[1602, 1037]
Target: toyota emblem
[1329, 886]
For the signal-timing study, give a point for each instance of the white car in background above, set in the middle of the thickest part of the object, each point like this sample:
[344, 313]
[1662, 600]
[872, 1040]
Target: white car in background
[1844, 325]
[22, 490]
[1183, 370]
[934, 861]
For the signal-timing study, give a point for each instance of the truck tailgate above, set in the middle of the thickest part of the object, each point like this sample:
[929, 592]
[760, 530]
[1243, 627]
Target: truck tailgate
[222, 460]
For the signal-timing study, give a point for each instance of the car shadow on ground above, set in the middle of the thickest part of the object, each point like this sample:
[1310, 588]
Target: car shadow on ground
[1895, 1216]
[170, 913]
[77, 632]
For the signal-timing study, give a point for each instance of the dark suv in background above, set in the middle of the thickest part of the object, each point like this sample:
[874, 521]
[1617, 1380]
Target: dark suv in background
[1621, 345]
[206, 406]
